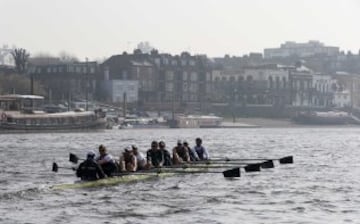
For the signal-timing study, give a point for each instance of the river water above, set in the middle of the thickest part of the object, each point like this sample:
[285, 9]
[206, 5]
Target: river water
[322, 186]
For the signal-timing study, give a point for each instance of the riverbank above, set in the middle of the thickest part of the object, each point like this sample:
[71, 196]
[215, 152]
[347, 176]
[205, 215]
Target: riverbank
[271, 123]
[259, 122]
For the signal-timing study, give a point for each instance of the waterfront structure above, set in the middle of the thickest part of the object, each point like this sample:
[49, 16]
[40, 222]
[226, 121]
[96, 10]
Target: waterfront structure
[67, 81]
[165, 81]
[348, 85]
[25, 113]
[265, 84]
[291, 48]
[323, 91]
[131, 67]
[120, 91]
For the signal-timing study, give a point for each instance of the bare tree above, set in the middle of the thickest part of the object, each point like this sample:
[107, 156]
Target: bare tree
[20, 57]
[67, 57]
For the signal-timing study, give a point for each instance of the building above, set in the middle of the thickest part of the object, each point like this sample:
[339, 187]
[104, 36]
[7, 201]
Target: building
[67, 81]
[323, 91]
[6, 59]
[131, 67]
[310, 48]
[266, 84]
[165, 81]
[120, 91]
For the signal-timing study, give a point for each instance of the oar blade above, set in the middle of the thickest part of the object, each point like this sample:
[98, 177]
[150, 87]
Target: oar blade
[55, 167]
[73, 158]
[267, 164]
[286, 160]
[235, 172]
[252, 167]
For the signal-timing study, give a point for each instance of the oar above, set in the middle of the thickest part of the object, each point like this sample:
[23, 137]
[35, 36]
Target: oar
[252, 167]
[265, 165]
[74, 158]
[234, 172]
[284, 160]
[55, 167]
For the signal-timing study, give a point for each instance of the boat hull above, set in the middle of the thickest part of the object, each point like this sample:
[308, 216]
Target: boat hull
[111, 181]
[318, 118]
[52, 127]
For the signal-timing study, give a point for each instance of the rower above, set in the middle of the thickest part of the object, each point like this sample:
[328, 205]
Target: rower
[180, 154]
[128, 161]
[165, 153]
[141, 161]
[201, 151]
[106, 161]
[89, 170]
[154, 157]
[192, 153]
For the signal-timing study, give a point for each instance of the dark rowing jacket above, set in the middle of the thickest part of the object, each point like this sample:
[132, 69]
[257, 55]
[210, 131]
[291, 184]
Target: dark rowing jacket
[156, 157]
[89, 170]
[167, 157]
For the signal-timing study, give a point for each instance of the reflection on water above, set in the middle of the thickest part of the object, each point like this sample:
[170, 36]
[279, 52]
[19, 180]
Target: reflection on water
[322, 186]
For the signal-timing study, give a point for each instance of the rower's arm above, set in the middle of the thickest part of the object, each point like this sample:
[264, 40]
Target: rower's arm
[195, 154]
[206, 154]
[100, 172]
[135, 164]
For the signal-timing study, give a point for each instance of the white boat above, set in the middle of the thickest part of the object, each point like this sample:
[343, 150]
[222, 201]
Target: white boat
[24, 113]
[324, 118]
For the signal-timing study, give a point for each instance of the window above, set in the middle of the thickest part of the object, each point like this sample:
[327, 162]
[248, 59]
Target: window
[194, 76]
[271, 83]
[185, 76]
[71, 68]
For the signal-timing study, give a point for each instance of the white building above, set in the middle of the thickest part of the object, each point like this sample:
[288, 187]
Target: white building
[5, 56]
[118, 89]
[342, 99]
[300, 49]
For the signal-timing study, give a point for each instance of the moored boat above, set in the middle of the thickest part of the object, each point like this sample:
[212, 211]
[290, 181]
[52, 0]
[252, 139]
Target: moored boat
[23, 113]
[324, 118]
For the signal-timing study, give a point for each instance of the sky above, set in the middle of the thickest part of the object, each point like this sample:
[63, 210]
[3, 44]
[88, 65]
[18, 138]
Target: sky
[100, 28]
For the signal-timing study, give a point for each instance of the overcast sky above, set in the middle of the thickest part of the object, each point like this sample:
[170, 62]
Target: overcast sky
[97, 29]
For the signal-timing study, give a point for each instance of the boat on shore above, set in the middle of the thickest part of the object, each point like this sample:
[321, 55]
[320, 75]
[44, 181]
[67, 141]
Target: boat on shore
[324, 118]
[22, 113]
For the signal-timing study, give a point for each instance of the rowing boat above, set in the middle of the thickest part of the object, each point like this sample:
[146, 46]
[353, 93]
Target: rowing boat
[203, 167]
[120, 178]
[110, 181]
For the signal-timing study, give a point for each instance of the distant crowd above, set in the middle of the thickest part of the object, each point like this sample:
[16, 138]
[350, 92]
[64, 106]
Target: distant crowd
[132, 160]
